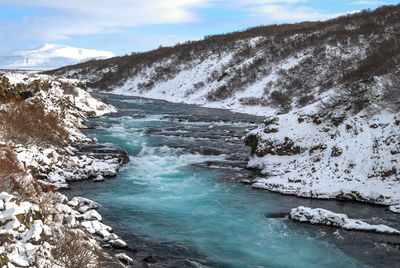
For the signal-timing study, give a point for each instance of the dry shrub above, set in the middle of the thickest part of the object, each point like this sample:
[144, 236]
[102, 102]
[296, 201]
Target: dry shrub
[8, 161]
[68, 89]
[74, 250]
[26, 122]
[21, 91]
[11, 175]
[391, 93]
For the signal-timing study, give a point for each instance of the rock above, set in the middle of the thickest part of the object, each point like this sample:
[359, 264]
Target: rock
[149, 259]
[326, 217]
[395, 208]
[70, 220]
[271, 146]
[92, 215]
[118, 244]
[58, 218]
[34, 232]
[100, 151]
[246, 182]
[99, 178]
[82, 204]
[124, 258]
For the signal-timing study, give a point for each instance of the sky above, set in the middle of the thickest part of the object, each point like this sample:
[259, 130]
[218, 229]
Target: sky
[125, 26]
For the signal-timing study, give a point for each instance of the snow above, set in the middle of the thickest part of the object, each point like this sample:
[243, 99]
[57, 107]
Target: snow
[326, 217]
[50, 56]
[28, 236]
[363, 169]
[124, 258]
[395, 208]
[92, 215]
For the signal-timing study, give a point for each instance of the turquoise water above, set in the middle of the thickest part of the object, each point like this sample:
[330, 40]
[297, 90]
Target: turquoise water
[190, 212]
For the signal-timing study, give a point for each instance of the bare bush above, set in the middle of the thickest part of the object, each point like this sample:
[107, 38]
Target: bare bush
[253, 101]
[21, 91]
[68, 89]
[72, 249]
[8, 161]
[221, 93]
[25, 122]
[391, 93]
[304, 100]
[281, 100]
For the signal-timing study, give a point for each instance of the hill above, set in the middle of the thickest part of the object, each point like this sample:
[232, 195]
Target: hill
[330, 91]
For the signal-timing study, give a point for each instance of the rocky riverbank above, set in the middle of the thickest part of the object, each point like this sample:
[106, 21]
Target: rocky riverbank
[42, 149]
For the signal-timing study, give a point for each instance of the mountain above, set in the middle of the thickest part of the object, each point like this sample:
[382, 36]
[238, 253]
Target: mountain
[50, 56]
[330, 91]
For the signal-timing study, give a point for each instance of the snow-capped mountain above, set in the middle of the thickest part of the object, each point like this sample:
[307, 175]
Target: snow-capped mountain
[50, 56]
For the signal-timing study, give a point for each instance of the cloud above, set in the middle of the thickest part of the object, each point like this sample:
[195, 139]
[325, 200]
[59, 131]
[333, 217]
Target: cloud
[272, 11]
[282, 13]
[53, 20]
[64, 18]
[368, 3]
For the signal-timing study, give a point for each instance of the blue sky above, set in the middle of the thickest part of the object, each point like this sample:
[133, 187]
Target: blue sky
[124, 26]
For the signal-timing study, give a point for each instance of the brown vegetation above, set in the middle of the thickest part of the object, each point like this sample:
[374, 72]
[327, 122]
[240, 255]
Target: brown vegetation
[26, 122]
[74, 250]
[21, 91]
[13, 177]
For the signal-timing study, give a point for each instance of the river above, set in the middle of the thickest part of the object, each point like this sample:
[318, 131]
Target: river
[180, 199]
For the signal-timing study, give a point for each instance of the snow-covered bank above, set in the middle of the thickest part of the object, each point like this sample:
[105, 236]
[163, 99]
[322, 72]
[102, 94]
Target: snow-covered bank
[303, 154]
[326, 217]
[40, 121]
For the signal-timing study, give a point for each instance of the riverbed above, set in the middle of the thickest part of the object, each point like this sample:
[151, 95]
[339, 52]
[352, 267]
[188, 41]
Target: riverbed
[180, 199]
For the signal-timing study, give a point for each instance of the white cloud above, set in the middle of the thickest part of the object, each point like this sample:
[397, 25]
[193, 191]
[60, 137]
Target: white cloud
[282, 13]
[95, 16]
[368, 3]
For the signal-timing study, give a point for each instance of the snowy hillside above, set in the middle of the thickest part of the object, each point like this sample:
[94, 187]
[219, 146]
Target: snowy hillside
[331, 91]
[280, 67]
[49, 56]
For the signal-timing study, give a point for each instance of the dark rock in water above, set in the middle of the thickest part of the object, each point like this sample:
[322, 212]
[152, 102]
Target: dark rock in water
[100, 151]
[247, 182]
[149, 259]
[277, 215]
